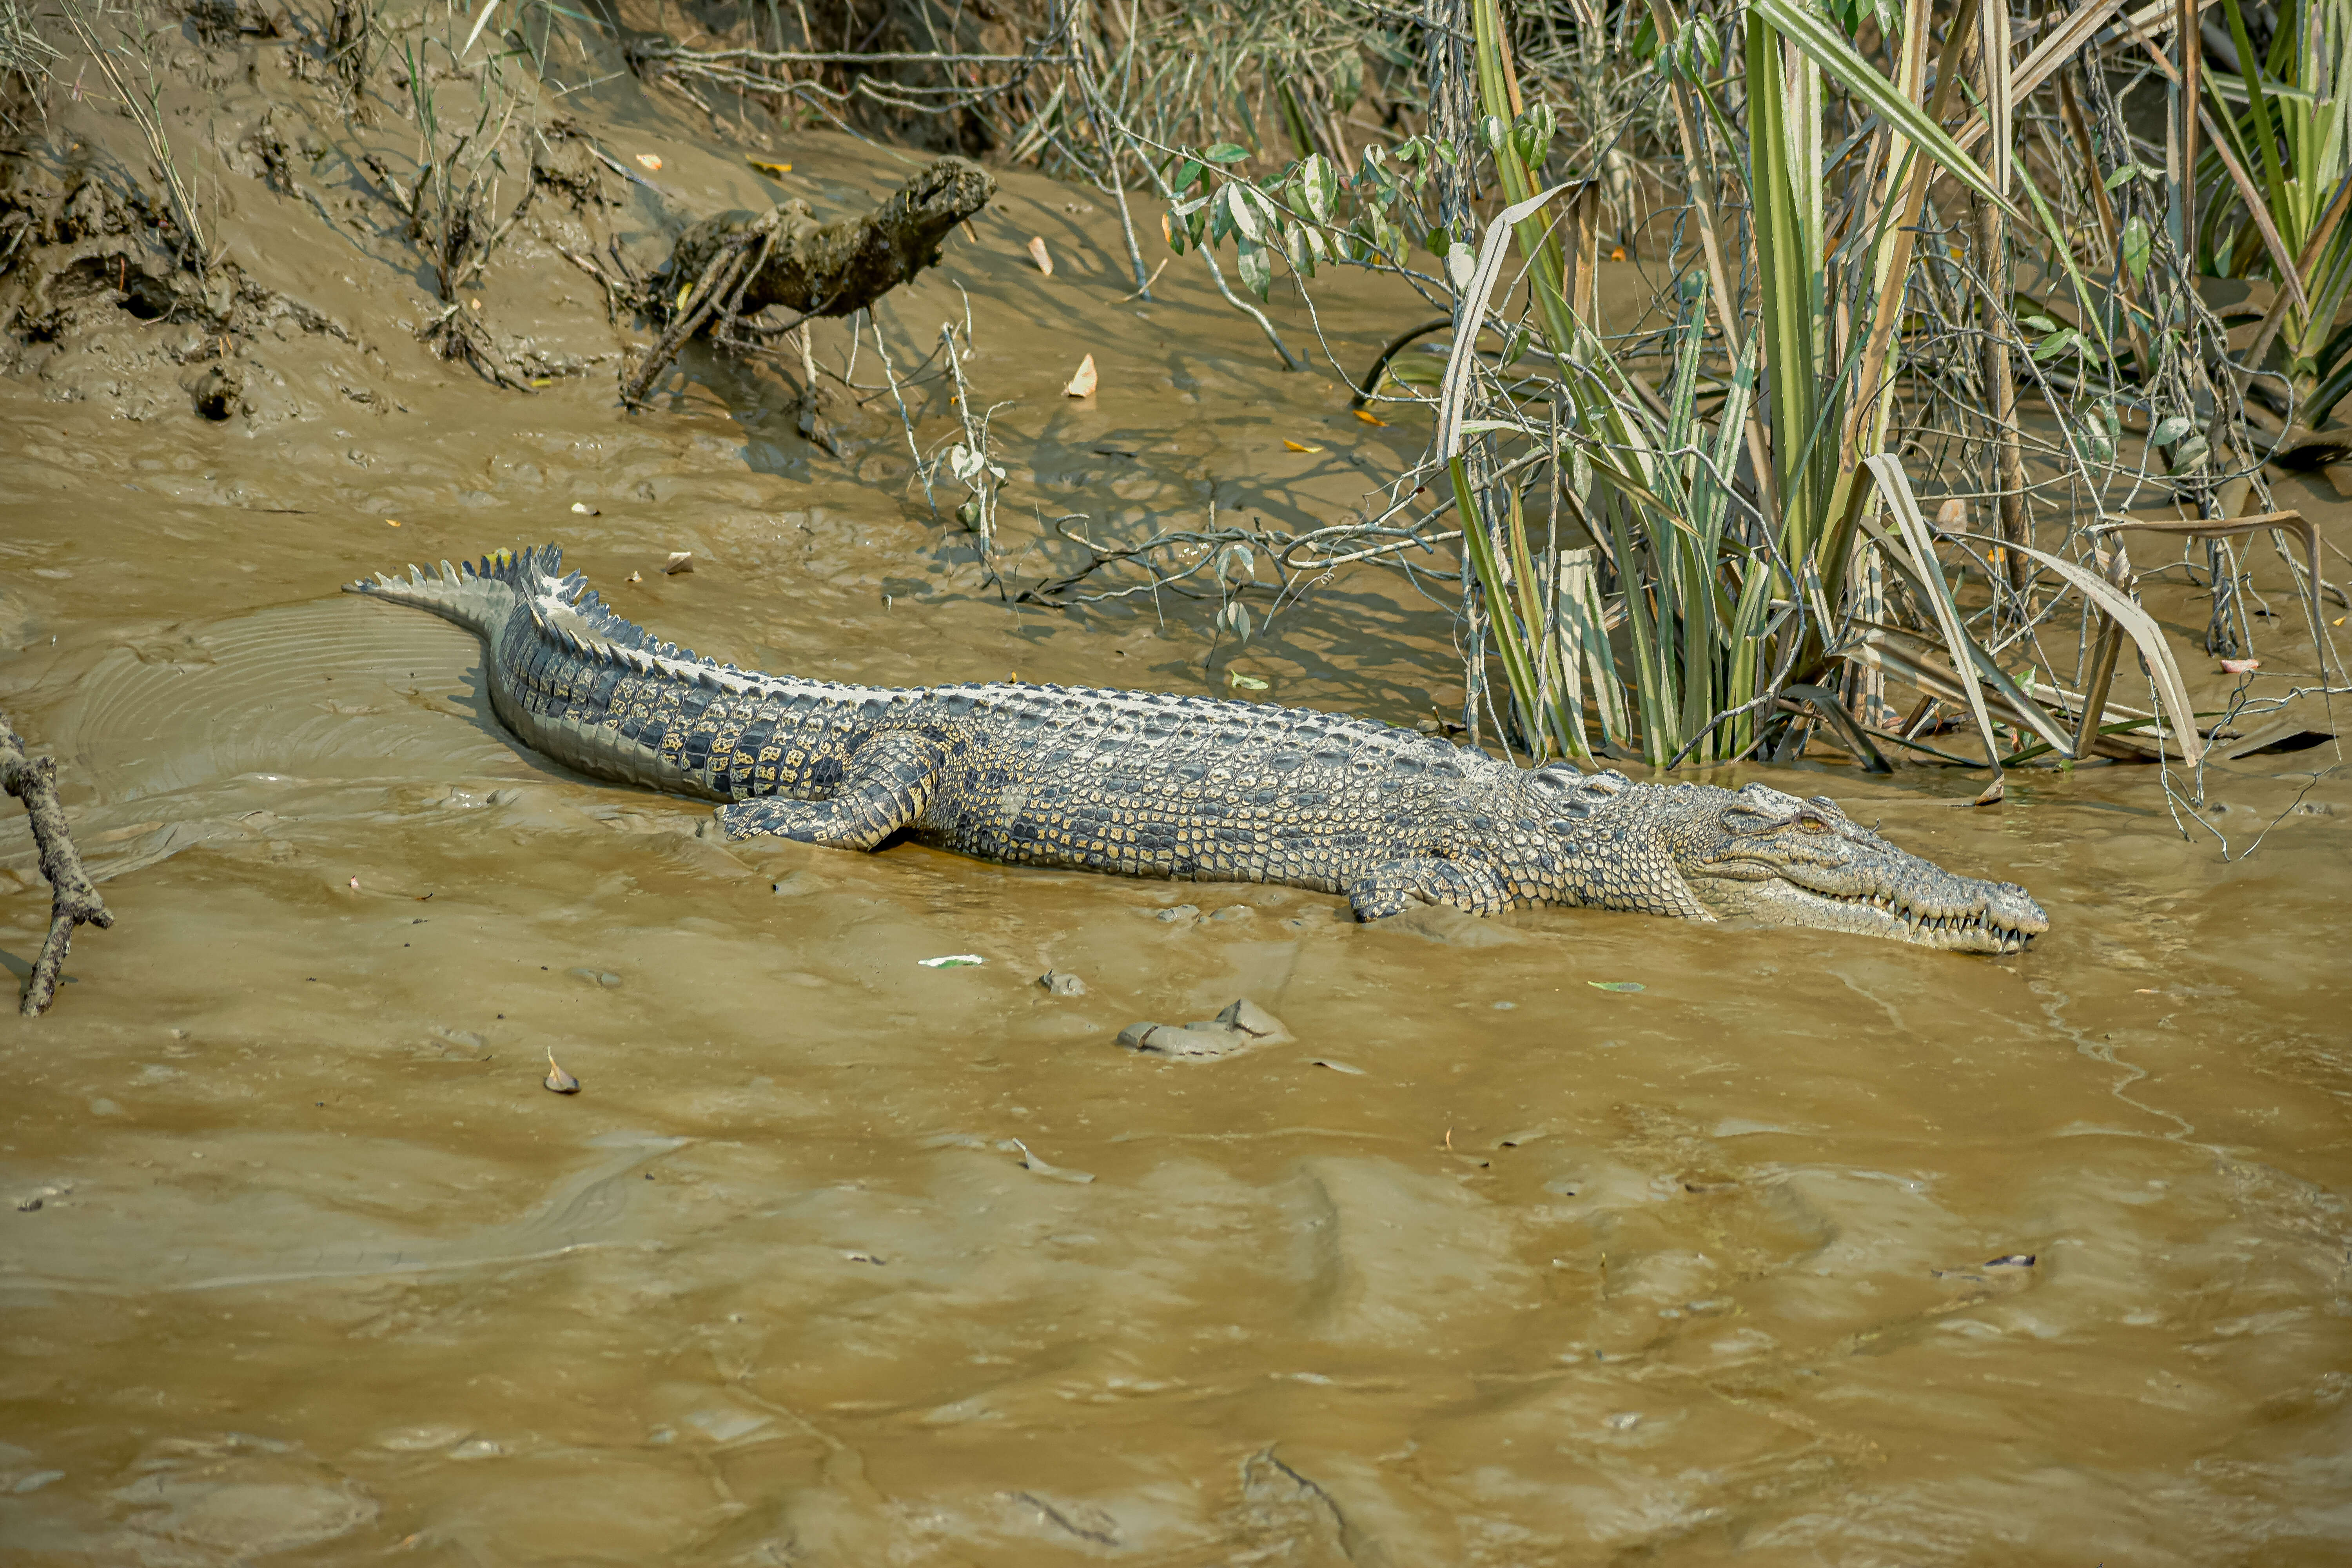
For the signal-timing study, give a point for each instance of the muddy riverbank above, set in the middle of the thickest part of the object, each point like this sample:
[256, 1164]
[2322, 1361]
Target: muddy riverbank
[1811, 1249]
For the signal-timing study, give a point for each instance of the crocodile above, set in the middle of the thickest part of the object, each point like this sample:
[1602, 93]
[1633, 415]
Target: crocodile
[1145, 784]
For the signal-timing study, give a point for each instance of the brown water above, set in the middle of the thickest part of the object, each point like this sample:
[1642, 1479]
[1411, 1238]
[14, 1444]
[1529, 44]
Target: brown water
[1490, 1267]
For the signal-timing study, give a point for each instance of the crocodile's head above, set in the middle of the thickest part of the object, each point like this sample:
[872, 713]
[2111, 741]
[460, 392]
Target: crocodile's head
[1763, 854]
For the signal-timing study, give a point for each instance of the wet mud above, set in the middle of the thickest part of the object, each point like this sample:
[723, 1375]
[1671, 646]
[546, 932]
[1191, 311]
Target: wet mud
[1811, 1249]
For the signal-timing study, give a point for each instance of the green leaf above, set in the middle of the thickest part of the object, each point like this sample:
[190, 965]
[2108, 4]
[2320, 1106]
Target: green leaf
[1318, 186]
[1225, 153]
[2037, 323]
[1257, 272]
[1186, 175]
[1802, 26]
[2051, 347]
[2136, 247]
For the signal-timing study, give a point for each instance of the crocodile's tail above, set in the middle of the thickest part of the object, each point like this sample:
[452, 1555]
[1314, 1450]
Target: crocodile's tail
[480, 595]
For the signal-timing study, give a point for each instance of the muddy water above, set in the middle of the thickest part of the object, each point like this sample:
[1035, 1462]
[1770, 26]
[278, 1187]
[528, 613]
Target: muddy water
[1814, 1249]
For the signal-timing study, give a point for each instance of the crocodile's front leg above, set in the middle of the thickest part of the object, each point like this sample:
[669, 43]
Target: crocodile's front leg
[887, 783]
[1398, 885]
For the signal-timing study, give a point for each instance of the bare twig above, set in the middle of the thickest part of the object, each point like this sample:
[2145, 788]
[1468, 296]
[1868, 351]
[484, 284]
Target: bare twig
[73, 901]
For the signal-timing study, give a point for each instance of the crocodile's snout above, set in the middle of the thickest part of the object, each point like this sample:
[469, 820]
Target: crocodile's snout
[1802, 862]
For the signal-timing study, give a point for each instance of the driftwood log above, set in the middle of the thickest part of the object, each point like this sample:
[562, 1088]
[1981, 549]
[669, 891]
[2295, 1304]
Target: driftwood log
[73, 901]
[740, 263]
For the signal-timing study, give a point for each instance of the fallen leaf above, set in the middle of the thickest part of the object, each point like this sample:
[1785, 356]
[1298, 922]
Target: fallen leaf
[1300, 447]
[1248, 682]
[392, 522]
[585, 510]
[559, 1080]
[355, 884]
[2012, 1261]
[477, 304]
[649, 162]
[542, 381]
[1953, 514]
[1369, 417]
[1615, 985]
[953, 960]
[1083, 383]
[680, 561]
[766, 167]
[1616, 253]
[1041, 256]
[2241, 666]
[635, 577]
[1993, 793]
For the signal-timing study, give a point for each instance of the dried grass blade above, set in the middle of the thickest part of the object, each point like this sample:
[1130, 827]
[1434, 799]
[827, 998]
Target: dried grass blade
[2165, 675]
[1471, 310]
[1895, 487]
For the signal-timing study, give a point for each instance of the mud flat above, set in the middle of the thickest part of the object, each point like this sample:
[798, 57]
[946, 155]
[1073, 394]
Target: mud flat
[1811, 1249]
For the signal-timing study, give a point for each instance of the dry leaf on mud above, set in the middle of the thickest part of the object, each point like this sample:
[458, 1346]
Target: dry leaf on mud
[766, 167]
[680, 561]
[559, 1080]
[1300, 446]
[1993, 792]
[1041, 256]
[1083, 383]
[392, 522]
[1369, 417]
[636, 577]
[1614, 984]
[2241, 666]
[649, 162]
[1953, 514]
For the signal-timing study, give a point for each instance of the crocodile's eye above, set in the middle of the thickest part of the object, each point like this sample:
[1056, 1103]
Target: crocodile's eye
[1812, 824]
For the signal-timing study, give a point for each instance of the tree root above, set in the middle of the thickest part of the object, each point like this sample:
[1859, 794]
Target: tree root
[73, 899]
[740, 263]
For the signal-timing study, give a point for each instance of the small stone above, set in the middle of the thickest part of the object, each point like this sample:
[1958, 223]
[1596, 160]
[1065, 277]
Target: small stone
[1181, 912]
[679, 563]
[1061, 984]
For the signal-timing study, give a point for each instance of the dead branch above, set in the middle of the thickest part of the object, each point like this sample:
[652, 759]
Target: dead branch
[73, 899]
[740, 263]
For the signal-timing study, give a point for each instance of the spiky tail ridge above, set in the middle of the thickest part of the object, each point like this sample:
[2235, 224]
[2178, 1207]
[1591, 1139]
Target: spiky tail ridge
[480, 595]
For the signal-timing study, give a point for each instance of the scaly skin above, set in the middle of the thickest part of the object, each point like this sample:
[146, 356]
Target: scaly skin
[1148, 785]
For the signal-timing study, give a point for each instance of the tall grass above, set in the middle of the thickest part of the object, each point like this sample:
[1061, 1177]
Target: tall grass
[1744, 557]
